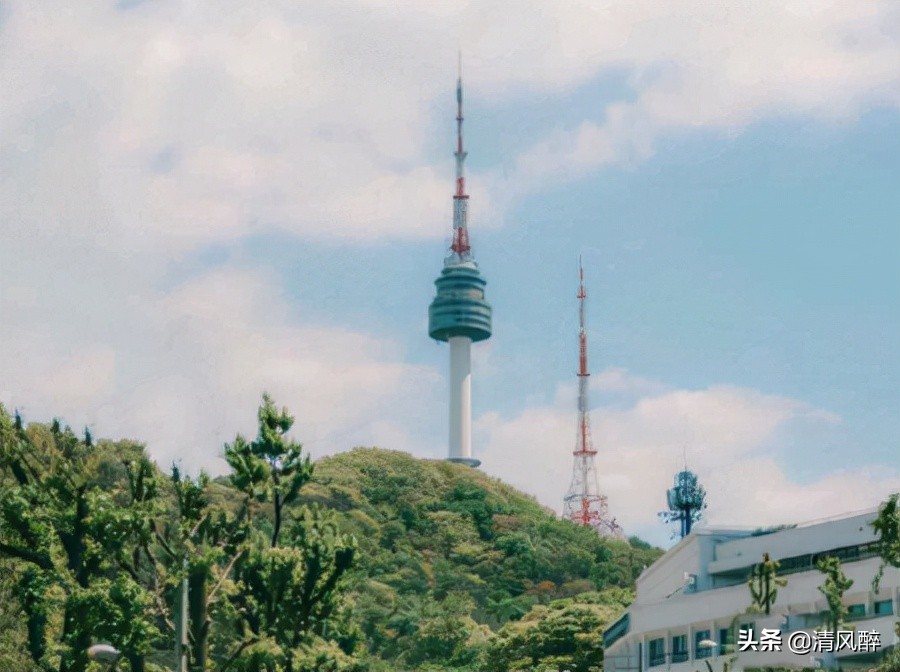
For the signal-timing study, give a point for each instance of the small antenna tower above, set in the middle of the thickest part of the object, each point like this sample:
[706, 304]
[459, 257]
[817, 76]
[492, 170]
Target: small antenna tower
[686, 500]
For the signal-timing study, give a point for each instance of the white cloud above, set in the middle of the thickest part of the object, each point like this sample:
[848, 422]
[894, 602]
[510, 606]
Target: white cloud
[68, 380]
[619, 381]
[714, 65]
[199, 358]
[164, 127]
[131, 138]
[731, 437]
[770, 497]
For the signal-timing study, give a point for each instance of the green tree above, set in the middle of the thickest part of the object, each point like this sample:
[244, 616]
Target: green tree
[887, 526]
[198, 541]
[764, 584]
[286, 585]
[891, 662]
[568, 638]
[441, 631]
[567, 634]
[14, 653]
[72, 541]
[836, 583]
[504, 608]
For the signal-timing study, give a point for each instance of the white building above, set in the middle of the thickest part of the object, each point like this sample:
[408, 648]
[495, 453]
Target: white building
[697, 594]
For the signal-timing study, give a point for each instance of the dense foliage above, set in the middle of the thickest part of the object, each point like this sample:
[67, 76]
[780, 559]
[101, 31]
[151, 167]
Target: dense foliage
[449, 556]
[887, 527]
[98, 543]
[370, 560]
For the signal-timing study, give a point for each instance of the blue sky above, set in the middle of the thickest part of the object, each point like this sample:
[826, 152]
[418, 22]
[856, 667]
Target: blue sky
[200, 207]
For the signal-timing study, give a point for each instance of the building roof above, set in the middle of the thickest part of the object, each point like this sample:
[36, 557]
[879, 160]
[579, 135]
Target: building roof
[734, 533]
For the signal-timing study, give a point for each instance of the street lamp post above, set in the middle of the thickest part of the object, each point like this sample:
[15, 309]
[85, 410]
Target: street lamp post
[707, 644]
[105, 653]
[181, 625]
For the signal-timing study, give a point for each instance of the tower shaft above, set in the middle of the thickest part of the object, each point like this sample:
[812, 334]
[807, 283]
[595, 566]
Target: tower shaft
[583, 504]
[461, 399]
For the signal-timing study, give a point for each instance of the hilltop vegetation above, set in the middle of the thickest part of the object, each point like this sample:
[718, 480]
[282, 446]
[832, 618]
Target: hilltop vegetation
[448, 556]
[368, 560]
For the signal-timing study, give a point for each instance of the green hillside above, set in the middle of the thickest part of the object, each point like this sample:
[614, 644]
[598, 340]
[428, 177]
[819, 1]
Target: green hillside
[449, 555]
[368, 561]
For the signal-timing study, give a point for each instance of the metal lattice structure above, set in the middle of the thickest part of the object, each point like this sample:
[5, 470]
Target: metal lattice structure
[584, 505]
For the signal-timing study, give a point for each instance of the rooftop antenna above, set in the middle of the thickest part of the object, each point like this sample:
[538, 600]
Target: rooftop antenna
[686, 500]
[460, 246]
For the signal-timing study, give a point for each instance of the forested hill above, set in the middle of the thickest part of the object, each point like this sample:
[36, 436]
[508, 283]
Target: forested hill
[448, 555]
[368, 561]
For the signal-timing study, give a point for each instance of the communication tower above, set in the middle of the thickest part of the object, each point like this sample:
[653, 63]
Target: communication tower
[686, 501]
[584, 504]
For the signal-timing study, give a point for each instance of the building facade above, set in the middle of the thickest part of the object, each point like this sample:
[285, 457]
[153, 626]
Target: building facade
[692, 603]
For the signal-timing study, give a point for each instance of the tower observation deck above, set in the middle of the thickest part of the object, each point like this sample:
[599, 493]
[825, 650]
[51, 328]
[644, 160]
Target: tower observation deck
[459, 313]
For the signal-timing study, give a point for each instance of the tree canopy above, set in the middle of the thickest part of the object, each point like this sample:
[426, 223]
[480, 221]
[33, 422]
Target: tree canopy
[367, 560]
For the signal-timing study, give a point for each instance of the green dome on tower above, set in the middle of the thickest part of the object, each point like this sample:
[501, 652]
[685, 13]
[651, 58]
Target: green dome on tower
[459, 309]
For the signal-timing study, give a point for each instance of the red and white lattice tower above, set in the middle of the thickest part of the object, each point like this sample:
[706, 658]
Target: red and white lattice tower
[584, 504]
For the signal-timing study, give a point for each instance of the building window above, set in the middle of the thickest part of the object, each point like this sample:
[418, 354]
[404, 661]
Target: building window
[884, 608]
[726, 641]
[856, 611]
[657, 652]
[679, 648]
[616, 630]
[702, 651]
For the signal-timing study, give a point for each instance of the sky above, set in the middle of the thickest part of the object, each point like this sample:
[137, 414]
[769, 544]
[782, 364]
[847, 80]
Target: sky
[201, 202]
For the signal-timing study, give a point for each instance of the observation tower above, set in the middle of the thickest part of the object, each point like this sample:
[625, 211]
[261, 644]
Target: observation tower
[459, 313]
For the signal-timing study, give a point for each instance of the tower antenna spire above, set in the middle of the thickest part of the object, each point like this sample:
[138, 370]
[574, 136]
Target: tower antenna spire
[584, 504]
[460, 245]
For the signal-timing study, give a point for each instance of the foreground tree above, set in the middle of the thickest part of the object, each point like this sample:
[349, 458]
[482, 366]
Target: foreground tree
[199, 542]
[72, 540]
[99, 547]
[836, 584]
[286, 577]
[764, 584]
[887, 526]
[567, 634]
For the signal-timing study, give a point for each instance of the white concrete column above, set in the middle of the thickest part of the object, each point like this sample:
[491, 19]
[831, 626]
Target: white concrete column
[460, 397]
